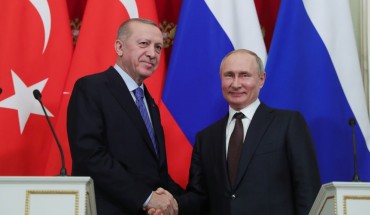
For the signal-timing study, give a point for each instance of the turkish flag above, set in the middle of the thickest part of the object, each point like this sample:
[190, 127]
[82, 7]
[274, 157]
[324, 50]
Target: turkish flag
[95, 52]
[36, 49]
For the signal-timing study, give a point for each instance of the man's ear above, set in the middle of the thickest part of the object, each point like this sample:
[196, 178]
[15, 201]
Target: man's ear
[263, 79]
[118, 46]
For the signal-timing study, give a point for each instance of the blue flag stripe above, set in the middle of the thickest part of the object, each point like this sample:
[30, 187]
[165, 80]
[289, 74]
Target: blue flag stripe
[301, 76]
[192, 91]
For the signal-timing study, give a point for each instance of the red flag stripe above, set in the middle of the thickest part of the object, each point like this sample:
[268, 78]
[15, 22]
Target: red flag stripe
[178, 148]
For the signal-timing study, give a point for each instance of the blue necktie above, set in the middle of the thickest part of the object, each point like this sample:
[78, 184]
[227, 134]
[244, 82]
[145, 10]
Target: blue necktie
[139, 95]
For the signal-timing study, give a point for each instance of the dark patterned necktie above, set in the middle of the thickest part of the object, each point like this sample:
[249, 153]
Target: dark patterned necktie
[139, 95]
[235, 147]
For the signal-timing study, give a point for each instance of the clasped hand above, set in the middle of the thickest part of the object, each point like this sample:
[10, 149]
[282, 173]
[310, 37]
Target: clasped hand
[162, 203]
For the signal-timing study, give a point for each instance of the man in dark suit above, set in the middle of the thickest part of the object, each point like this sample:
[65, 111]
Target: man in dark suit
[260, 162]
[114, 128]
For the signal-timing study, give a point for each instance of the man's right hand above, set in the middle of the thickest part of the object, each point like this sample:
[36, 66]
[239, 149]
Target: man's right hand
[162, 203]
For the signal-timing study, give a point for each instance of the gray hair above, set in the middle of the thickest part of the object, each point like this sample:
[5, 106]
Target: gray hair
[124, 30]
[258, 59]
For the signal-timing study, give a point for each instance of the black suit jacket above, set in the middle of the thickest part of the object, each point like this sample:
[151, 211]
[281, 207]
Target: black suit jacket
[110, 143]
[278, 172]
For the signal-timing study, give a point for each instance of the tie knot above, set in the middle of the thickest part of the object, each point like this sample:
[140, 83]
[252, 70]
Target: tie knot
[239, 115]
[139, 93]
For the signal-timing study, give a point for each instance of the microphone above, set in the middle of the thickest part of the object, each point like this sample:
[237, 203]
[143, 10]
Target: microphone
[352, 123]
[37, 95]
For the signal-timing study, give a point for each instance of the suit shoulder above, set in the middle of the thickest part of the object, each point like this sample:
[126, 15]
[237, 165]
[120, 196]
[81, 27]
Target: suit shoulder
[92, 77]
[287, 112]
[281, 112]
[214, 127]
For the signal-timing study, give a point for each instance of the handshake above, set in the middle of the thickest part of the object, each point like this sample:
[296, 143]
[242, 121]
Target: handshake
[162, 203]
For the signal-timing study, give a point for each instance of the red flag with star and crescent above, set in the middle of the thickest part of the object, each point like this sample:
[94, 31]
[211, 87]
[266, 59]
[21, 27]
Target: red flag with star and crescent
[36, 49]
[94, 51]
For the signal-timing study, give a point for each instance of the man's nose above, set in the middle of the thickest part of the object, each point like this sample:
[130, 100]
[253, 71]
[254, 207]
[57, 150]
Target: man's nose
[150, 52]
[236, 82]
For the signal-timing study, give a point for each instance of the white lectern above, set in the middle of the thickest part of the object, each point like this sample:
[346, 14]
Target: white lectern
[342, 198]
[47, 195]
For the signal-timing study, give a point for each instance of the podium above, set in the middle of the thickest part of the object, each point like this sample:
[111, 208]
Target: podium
[342, 198]
[47, 195]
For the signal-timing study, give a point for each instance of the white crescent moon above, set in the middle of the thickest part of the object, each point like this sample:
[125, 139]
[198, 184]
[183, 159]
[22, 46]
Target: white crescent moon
[43, 9]
[131, 8]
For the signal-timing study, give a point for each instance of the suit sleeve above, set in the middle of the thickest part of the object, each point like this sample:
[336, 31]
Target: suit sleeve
[194, 200]
[302, 158]
[86, 133]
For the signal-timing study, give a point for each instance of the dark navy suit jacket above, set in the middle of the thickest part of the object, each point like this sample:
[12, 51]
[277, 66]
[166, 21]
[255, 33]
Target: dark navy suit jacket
[110, 143]
[278, 172]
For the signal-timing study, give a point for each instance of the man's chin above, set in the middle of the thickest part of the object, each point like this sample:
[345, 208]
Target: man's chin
[236, 104]
[148, 70]
[146, 74]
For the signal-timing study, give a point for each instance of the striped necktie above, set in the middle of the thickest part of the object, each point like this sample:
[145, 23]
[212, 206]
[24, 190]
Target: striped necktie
[139, 95]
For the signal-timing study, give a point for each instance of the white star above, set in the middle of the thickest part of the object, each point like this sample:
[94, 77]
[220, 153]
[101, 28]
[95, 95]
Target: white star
[23, 100]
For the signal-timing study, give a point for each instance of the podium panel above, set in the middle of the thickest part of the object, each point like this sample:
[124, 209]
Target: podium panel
[342, 198]
[47, 195]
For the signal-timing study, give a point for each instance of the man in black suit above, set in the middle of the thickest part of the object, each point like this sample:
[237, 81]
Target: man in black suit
[260, 162]
[114, 128]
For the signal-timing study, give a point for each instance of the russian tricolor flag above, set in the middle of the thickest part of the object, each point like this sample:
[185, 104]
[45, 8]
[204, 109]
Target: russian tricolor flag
[192, 98]
[313, 67]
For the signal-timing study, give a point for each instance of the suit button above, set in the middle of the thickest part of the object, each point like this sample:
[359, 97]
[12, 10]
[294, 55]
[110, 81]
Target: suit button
[233, 196]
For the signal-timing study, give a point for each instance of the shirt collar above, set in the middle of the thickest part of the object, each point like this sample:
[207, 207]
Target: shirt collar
[130, 83]
[247, 111]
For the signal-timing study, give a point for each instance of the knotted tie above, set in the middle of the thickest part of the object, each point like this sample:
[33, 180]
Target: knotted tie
[139, 95]
[235, 147]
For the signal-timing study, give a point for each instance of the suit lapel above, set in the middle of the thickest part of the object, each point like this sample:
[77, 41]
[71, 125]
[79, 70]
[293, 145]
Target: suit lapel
[120, 91]
[256, 130]
[219, 151]
[156, 122]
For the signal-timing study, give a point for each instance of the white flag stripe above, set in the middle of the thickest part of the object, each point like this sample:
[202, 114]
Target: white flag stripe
[243, 31]
[336, 30]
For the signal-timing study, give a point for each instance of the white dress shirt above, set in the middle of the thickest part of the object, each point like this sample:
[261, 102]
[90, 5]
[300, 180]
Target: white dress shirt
[248, 113]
